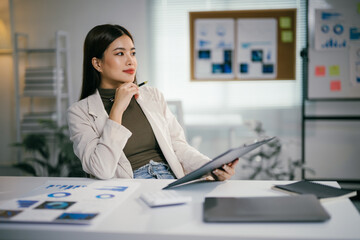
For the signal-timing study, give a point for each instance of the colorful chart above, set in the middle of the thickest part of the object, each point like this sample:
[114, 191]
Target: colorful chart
[113, 188]
[77, 216]
[59, 194]
[55, 205]
[5, 214]
[26, 203]
[105, 196]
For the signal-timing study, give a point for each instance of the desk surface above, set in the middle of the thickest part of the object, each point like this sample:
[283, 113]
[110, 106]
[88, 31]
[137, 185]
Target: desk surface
[135, 220]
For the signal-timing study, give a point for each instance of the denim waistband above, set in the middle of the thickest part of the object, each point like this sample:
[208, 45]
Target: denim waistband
[155, 170]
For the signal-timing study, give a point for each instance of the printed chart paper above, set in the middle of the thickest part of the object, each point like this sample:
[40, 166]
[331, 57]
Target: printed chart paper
[355, 65]
[257, 48]
[331, 31]
[214, 48]
[75, 202]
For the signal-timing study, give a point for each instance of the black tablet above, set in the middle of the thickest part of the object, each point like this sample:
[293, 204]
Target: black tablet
[219, 161]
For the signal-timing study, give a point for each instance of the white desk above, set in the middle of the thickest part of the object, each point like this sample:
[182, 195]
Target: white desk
[134, 220]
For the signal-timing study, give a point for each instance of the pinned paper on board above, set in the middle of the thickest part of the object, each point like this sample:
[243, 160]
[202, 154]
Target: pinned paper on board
[257, 49]
[285, 22]
[355, 65]
[331, 31]
[214, 48]
[320, 71]
[354, 33]
[287, 36]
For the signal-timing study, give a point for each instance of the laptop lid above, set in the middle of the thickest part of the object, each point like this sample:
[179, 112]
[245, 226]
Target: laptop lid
[301, 208]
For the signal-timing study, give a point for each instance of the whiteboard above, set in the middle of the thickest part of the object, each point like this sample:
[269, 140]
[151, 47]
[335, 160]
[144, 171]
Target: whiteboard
[334, 50]
[332, 150]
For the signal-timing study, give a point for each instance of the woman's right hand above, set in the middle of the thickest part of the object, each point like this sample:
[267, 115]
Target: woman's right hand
[123, 96]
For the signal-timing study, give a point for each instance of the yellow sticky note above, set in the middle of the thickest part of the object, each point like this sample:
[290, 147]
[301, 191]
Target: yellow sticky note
[285, 22]
[334, 70]
[287, 36]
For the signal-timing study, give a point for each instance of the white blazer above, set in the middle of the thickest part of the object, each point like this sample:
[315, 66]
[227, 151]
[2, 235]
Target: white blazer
[99, 141]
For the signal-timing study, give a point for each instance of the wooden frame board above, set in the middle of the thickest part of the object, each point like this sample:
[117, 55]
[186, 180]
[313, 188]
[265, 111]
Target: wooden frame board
[286, 47]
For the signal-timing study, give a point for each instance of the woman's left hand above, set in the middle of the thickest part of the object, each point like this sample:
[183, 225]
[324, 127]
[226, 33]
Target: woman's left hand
[227, 171]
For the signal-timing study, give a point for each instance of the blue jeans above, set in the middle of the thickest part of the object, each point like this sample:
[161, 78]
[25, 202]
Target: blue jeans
[154, 170]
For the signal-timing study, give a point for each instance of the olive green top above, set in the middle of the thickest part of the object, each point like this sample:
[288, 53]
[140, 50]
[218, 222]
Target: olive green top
[142, 146]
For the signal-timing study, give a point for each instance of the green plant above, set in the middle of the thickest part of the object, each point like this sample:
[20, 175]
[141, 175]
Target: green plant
[267, 162]
[49, 153]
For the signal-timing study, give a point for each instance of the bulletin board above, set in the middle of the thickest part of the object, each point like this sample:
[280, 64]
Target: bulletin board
[334, 50]
[243, 45]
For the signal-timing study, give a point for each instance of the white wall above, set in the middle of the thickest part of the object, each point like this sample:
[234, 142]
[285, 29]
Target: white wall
[7, 103]
[7, 127]
[41, 19]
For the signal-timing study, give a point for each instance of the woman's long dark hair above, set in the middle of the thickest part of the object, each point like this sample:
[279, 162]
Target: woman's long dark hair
[96, 42]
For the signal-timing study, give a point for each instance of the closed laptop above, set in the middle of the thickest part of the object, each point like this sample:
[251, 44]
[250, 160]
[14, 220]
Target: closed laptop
[302, 208]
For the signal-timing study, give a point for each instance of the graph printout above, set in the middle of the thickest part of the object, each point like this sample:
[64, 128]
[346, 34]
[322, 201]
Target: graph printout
[355, 65]
[214, 48]
[331, 30]
[257, 48]
[76, 202]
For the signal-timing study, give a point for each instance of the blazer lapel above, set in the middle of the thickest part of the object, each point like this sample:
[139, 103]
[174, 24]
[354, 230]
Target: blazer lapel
[97, 111]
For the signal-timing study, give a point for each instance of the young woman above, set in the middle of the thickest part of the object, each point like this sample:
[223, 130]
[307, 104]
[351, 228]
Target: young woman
[121, 130]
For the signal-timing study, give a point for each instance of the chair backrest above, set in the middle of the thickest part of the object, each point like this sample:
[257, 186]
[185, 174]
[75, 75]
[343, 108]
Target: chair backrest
[176, 108]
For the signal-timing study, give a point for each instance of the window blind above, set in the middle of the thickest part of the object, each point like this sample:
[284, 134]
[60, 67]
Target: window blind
[170, 59]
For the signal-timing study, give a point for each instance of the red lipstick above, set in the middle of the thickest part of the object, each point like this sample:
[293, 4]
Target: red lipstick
[129, 71]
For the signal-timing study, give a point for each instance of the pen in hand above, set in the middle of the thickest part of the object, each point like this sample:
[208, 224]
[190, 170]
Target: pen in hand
[139, 85]
[143, 83]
